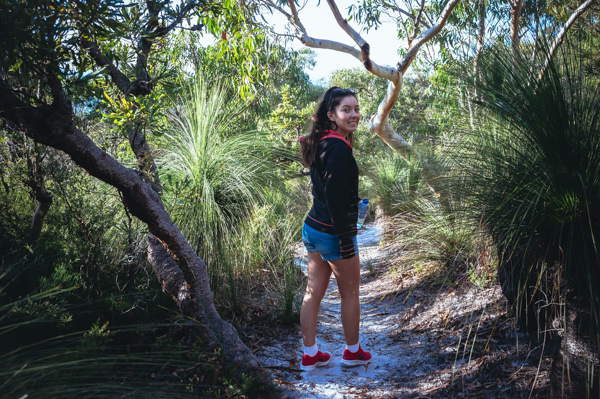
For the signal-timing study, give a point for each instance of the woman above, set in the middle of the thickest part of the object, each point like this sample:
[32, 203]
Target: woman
[329, 231]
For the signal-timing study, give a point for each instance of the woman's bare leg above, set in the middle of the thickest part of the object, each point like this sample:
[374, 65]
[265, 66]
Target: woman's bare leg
[347, 275]
[319, 272]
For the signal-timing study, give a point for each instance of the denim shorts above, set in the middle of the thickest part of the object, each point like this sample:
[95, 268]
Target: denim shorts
[328, 245]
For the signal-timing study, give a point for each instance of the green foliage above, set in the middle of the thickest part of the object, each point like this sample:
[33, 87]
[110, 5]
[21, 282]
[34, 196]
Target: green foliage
[80, 315]
[291, 118]
[442, 241]
[269, 239]
[213, 174]
[394, 181]
[160, 358]
[533, 168]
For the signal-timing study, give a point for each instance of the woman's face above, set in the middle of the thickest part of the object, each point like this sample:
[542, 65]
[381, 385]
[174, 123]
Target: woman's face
[346, 115]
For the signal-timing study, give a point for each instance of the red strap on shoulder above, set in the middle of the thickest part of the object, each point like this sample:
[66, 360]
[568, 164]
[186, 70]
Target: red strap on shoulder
[330, 134]
[334, 134]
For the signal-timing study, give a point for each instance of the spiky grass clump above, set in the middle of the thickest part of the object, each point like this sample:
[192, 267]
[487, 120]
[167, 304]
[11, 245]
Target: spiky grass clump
[214, 174]
[534, 174]
[394, 181]
[442, 241]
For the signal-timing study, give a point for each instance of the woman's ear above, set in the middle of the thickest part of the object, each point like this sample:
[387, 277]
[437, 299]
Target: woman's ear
[330, 116]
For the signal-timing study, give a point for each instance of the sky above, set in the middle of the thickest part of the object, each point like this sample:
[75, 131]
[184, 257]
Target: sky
[320, 23]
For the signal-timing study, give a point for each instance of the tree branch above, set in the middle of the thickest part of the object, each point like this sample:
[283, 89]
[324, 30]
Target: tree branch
[362, 55]
[119, 78]
[408, 14]
[365, 49]
[183, 274]
[418, 21]
[561, 35]
[379, 122]
[427, 35]
[143, 83]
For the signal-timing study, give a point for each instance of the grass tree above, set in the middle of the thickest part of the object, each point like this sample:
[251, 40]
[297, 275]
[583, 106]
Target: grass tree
[213, 173]
[531, 169]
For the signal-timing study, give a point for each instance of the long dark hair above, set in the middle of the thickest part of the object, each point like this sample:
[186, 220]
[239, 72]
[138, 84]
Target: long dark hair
[321, 122]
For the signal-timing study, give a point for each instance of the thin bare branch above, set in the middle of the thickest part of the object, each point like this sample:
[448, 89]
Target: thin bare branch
[427, 35]
[409, 15]
[561, 35]
[418, 20]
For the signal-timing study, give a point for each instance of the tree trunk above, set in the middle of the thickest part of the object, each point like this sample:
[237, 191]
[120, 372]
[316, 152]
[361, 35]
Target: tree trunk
[515, 16]
[38, 219]
[574, 372]
[480, 45]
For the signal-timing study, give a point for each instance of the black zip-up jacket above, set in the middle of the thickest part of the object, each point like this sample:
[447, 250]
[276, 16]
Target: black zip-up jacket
[334, 176]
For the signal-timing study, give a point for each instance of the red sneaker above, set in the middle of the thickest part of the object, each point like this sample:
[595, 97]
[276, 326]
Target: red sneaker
[355, 359]
[311, 362]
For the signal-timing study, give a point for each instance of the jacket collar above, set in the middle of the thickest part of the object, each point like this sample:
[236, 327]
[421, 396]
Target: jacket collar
[334, 134]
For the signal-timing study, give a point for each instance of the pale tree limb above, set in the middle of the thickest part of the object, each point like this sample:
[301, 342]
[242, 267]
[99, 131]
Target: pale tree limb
[361, 54]
[379, 123]
[561, 35]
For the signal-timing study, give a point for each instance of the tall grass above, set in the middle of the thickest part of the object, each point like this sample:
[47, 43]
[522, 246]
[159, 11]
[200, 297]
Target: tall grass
[107, 360]
[269, 238]
[59, 342]
[395, 182]
[430, 237]
[214, 174]
[442, 241]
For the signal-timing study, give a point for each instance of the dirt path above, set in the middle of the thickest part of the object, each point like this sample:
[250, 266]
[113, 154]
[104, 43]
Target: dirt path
[426, 340]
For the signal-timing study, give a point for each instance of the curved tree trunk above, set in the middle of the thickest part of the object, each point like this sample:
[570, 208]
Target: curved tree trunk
[180, 271]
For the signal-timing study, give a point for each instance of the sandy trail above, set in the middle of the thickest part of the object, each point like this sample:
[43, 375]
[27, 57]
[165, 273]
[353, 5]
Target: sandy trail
[423, 340]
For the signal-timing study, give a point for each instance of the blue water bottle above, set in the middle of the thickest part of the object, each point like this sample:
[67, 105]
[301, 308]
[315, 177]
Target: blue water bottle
[363, 210]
